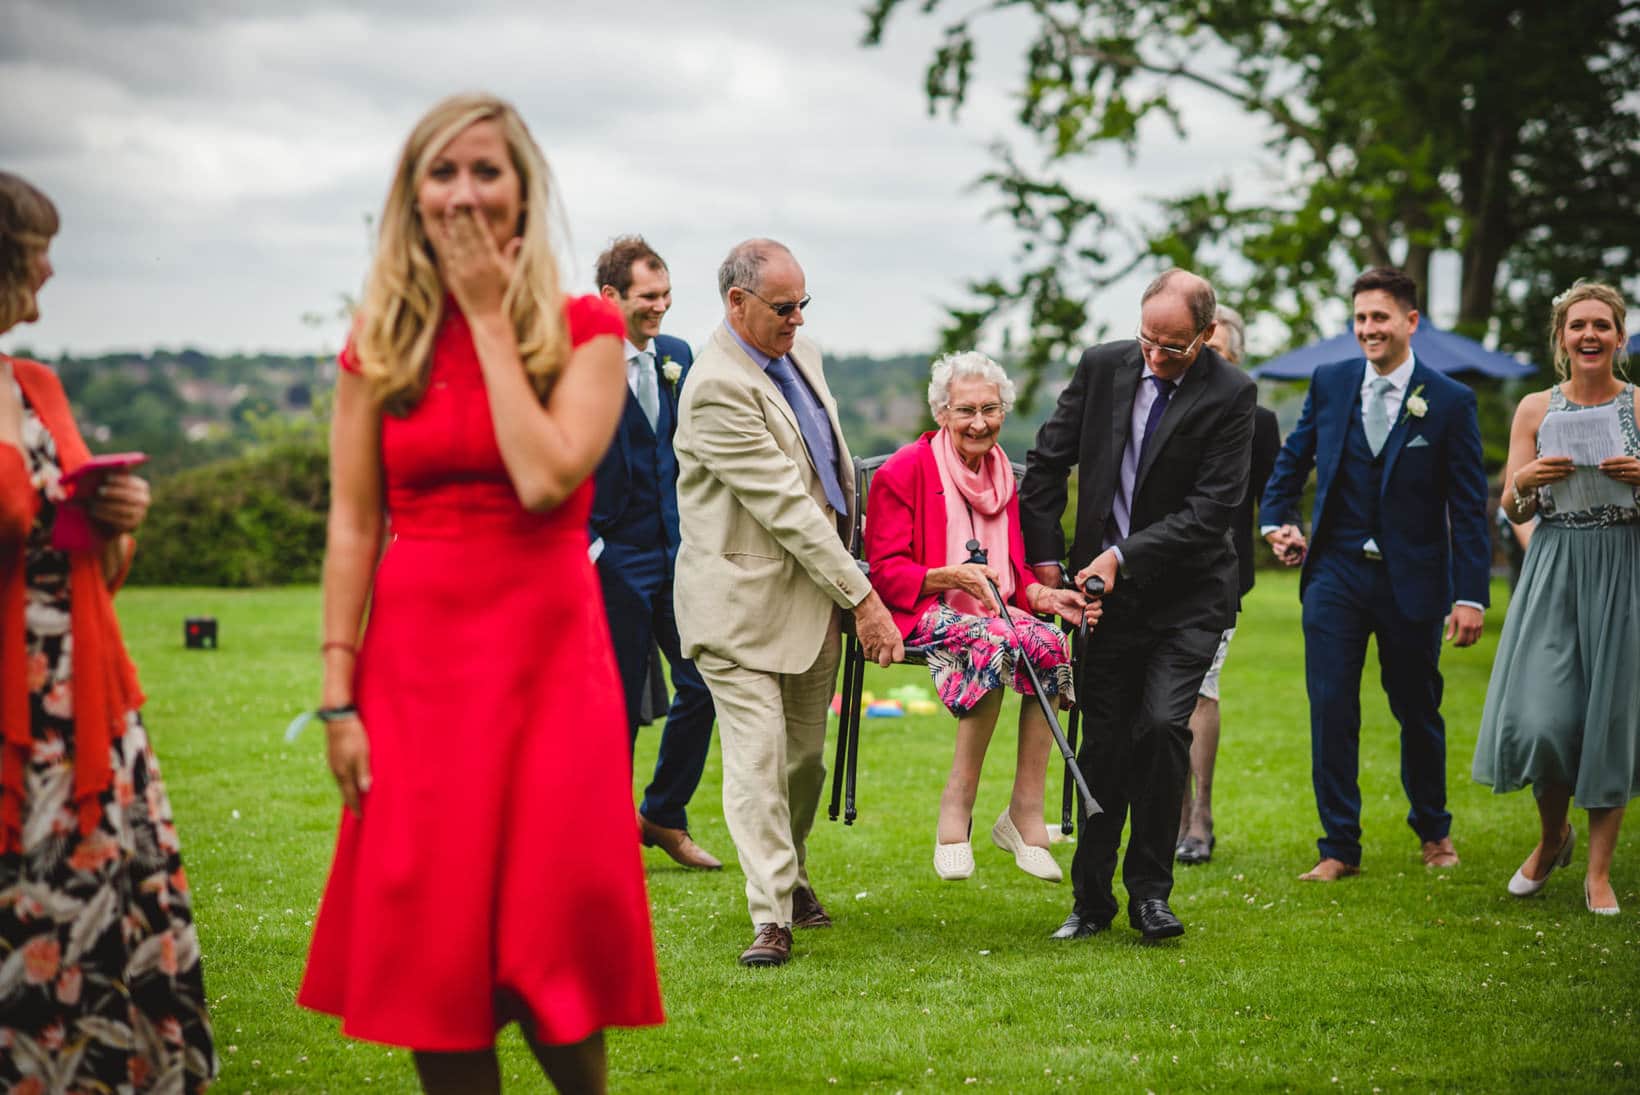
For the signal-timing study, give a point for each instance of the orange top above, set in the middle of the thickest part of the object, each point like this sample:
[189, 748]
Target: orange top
[105, 681]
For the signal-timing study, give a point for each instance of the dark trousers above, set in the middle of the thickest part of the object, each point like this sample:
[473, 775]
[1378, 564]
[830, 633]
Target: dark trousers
[1137, 693]
[1347, 599]
[637, 587]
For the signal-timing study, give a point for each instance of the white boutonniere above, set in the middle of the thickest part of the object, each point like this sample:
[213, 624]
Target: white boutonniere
[1416, 407]
[671, 370]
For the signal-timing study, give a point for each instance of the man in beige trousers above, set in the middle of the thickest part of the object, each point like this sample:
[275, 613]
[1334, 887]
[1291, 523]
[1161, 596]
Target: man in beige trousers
[765, 486]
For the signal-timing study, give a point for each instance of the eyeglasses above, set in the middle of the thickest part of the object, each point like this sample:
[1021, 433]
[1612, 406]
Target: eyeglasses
[965, 413]
[781, 310]
[1148, 346]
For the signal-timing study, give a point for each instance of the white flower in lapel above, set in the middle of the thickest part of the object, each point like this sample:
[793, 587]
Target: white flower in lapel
[671, 370]
[1416, 407]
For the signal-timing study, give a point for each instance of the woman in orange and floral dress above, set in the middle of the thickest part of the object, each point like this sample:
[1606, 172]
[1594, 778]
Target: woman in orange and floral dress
[100, 982]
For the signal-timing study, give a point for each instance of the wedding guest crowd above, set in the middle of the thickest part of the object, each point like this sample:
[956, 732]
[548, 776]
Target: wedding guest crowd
[532, 490]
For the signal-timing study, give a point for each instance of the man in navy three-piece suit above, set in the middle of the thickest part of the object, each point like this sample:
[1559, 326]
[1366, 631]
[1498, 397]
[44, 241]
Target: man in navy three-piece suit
[635, 542]
[1399, 541]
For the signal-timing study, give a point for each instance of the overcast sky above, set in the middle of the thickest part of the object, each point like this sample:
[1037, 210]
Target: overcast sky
[214, 162]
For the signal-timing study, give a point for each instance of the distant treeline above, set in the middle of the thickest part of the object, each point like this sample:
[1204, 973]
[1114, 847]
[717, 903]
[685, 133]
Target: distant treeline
[186, 408]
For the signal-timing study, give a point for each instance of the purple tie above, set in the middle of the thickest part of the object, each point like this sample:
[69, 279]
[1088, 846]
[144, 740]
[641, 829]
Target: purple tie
[815, 427]
[1164, 392]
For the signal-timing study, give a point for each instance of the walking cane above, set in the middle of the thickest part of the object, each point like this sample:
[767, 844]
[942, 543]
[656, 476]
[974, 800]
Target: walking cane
[976, 554]
[1095, 588]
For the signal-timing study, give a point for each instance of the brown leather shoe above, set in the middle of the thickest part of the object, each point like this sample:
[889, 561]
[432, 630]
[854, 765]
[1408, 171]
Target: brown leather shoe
[772, 947]
[1440, 853]
[1329, 870]
[676, 843]
[807, 912]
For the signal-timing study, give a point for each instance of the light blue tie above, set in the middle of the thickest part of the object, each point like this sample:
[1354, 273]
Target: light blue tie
[1376, 418]
[649, 395]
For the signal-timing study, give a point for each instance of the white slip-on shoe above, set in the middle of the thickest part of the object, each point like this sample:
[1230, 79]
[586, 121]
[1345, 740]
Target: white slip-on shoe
[1035, 861]
[1522, 886]
[954, 862]
[1598, 910]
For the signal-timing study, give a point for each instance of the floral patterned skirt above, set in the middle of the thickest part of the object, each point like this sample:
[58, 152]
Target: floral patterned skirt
[100, 981]
[969, 656]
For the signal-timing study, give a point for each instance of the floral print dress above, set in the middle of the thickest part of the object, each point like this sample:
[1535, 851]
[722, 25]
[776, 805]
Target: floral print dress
[100, 981]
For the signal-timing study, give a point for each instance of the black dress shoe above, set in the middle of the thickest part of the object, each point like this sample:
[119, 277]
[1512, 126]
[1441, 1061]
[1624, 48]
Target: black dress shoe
[1079, 926]
[1154, 920]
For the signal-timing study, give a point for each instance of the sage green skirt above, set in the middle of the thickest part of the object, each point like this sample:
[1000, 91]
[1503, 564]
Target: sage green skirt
[1563, 706]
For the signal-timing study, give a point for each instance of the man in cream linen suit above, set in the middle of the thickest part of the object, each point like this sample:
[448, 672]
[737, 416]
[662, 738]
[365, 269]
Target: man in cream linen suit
[765, 485]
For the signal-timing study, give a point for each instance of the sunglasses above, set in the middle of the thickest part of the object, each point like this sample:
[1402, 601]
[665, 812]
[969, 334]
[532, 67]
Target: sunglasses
[781, 310]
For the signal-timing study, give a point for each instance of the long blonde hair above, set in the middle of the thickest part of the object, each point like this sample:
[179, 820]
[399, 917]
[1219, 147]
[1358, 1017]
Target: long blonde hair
[403, 293]
[1580, 291]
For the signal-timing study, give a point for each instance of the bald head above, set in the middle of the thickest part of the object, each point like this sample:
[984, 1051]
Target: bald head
[1175, 321]
[1193, 290]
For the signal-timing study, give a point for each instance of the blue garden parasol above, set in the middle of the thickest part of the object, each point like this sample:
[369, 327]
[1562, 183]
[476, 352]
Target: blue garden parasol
[1444, 351]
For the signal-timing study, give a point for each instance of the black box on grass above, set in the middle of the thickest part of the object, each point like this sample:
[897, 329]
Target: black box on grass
[199, 633]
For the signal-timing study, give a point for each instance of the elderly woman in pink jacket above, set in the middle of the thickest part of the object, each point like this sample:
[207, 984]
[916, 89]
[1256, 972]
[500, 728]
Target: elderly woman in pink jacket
[951, 486]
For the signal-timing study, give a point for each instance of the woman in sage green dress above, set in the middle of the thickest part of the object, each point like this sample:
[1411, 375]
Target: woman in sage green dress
[1563, 708]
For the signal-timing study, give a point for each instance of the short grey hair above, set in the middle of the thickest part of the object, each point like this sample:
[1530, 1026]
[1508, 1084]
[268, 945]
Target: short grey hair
[744, 266]
[968, 363]
[1235, 329]
[1197, 293]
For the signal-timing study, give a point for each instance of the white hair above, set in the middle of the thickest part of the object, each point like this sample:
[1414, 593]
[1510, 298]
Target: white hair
[1235, 331]
[968, 363]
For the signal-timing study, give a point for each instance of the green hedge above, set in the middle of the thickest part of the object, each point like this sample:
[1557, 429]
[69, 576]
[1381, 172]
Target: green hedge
[254, 520]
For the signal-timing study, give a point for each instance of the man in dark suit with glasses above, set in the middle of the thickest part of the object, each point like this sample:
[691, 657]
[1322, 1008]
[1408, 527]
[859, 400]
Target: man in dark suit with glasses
[1160, 429]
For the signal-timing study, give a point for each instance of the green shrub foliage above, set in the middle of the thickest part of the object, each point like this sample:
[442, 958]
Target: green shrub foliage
[255, 520]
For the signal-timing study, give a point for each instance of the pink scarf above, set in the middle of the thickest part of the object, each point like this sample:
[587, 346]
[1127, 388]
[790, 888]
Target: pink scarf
[976, 508]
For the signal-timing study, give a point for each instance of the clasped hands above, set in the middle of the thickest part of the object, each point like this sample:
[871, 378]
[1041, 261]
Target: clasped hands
[1288, 543]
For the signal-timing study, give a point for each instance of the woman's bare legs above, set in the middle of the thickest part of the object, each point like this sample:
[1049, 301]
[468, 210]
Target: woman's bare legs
[1603, 827]
[974, 732]
[1197, 819]
[1031, 773]
[469, 1073]
[1553, 802]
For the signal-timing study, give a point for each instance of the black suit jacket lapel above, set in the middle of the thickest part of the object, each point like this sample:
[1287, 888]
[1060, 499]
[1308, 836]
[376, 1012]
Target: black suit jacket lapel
[1189, 391]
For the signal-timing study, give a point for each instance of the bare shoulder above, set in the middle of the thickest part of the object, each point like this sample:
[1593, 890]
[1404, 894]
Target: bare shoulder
[1532, 408]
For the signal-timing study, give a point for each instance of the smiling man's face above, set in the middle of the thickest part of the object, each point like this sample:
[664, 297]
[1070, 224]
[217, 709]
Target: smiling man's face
[1383, 328]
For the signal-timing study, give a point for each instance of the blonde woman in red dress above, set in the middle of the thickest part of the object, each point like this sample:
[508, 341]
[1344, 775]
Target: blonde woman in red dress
[488, 868]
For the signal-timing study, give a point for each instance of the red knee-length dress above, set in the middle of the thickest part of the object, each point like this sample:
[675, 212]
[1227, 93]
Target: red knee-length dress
[495, 873]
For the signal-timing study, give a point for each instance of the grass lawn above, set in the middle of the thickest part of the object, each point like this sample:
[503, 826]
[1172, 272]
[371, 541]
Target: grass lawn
[1401, 980]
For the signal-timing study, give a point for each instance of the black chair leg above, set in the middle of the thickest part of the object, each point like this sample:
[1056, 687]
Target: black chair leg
[853, 759]
[849, 701]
